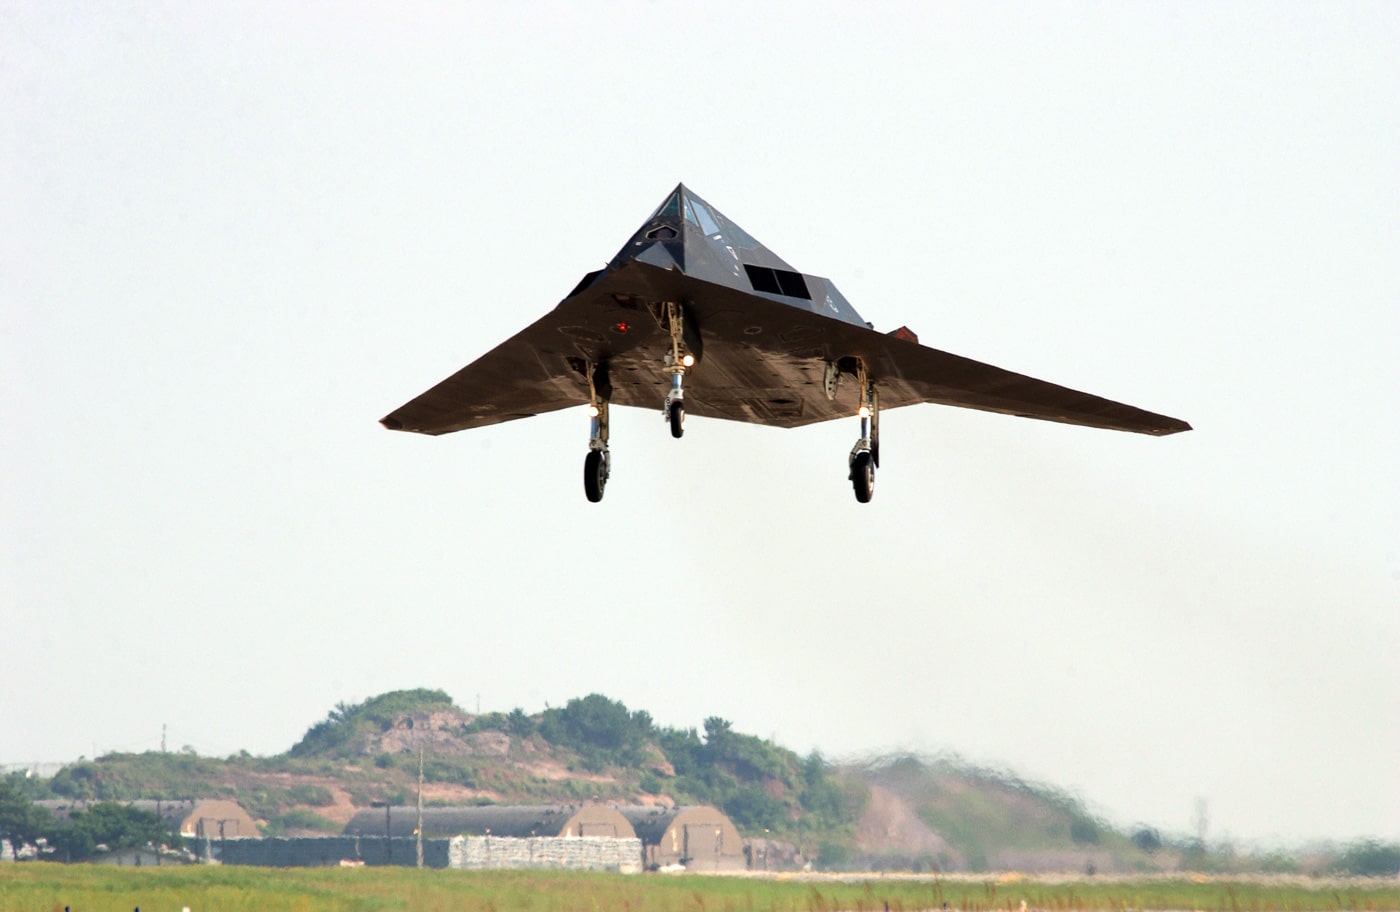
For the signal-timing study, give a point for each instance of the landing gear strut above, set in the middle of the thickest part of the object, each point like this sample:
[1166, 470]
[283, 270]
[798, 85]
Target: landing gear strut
[865, 455]
[597, 465]
[678, 360]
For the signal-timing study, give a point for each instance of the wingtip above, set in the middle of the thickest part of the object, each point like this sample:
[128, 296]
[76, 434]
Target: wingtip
[1176, 427]
[392, 423]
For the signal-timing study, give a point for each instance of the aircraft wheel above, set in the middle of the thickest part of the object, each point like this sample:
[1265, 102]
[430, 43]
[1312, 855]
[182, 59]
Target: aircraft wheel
[677, 414]
[863, 477]
[595, 475]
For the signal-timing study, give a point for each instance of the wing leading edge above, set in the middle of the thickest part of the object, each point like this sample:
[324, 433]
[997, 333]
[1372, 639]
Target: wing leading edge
[764, 363]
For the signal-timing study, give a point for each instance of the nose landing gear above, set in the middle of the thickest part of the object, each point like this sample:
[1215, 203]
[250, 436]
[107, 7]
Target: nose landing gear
[678, 360]
[865, 455]
[597, 465]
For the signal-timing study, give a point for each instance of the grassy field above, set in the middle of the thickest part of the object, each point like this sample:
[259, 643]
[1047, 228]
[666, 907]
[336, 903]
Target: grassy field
[42, 887]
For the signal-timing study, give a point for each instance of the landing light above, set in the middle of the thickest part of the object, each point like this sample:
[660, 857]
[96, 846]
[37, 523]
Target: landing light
[864, 411]
[688, 360]
[592, 410]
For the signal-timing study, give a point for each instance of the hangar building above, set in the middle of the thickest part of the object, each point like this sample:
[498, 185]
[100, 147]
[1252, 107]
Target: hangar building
[521, 821]
[696, 837]
[200, 817]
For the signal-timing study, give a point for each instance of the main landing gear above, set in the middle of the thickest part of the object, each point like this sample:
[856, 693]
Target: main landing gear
[865, 455]
[684, 353]
[597, 465]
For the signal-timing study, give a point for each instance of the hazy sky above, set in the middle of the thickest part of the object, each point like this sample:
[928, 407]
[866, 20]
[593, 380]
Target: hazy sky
[233, 236]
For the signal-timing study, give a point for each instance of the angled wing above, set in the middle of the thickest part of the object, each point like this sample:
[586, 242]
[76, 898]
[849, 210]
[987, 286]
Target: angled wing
[922, 374]
[506, 383]
[545, 366]
[764, 362]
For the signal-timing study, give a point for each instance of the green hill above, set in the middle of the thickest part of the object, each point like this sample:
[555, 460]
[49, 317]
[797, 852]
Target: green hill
[591, 749]
[900, 812]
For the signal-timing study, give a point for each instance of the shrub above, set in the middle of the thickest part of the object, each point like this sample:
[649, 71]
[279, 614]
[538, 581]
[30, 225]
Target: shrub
[314, 795]
[1147, 839]
[1084, 830]
[1370, 859]
[520, 725]
[492, 721]
[116, 826]
[302, 819]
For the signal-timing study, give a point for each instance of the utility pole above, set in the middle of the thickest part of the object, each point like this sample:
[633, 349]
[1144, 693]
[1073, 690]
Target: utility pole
[420, 806]
[162, 737]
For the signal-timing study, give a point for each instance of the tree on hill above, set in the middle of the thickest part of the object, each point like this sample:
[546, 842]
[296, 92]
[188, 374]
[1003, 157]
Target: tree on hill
[757, 783]
[603, 732]
[748, 756]
[520, 724]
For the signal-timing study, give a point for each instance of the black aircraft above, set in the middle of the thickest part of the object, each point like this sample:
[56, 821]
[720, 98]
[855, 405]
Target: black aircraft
[695, 315]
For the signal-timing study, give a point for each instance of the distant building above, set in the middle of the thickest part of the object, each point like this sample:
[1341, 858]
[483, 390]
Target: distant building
[32, 770]
[520, 821]
[203, 818]
[695, 837]
[764, 854]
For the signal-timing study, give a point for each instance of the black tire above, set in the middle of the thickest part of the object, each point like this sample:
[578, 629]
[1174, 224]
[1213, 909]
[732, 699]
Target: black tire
[863, 477]
[595, 475]
[677, 418]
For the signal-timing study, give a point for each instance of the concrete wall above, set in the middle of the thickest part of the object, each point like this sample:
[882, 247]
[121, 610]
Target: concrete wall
[523, 821]
[460, 852]
[577, 854]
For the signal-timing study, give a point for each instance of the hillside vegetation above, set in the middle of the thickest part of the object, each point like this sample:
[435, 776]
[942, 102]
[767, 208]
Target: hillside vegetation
[902, 812]
[591, 749]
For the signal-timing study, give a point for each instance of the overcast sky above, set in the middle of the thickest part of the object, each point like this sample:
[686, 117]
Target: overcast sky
[233, 236]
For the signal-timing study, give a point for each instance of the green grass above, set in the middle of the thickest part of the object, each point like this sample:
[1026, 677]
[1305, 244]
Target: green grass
[42, 887]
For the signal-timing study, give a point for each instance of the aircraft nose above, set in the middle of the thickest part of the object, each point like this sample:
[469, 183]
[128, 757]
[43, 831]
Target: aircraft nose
[665, 254]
